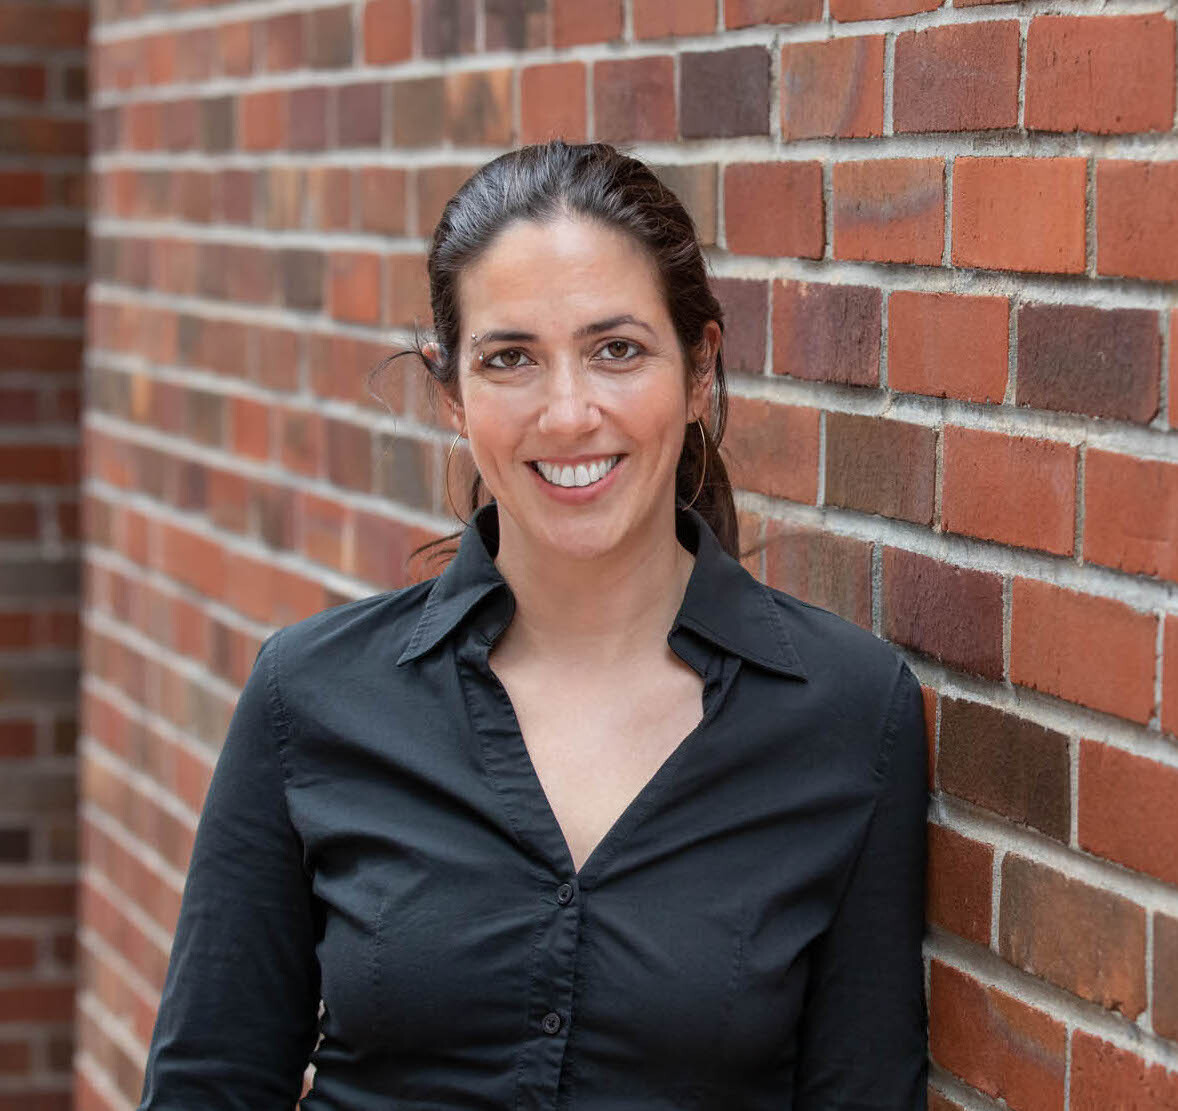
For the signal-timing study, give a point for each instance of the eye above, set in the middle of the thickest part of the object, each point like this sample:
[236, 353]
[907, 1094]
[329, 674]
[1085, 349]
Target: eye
[508, 358]
[617, 350]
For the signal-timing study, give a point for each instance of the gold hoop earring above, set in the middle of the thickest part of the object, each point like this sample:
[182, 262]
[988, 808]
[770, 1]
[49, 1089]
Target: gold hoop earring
[446, 479]
[704, 456]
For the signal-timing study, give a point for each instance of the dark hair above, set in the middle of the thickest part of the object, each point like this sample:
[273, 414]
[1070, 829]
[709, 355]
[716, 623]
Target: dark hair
[592, 180]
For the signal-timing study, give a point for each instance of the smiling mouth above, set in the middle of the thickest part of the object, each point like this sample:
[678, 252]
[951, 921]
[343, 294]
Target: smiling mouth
[581, 474]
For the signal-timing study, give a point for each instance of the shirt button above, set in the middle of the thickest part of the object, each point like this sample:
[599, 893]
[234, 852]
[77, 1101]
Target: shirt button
[564, 893]
[551, 1022]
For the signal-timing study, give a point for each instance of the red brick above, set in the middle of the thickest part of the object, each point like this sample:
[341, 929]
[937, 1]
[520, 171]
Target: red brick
[961, 77]
[1084, 359]
[478, 107]
[658, 19]
[262, 120]
[359, 114]
[574, 22]
[408, 292]
[22, 82]
[634, 99]
[948, 345]
[952, 614]
[235, 48]
[1085, 940]
[349, 455]
[1104, 73]
[1137, 219]
[1165, 976]
[848, 10]
[960, 874]
[772, 449]
[1019, 214]
[821, 568]
[881, 466]
[22, 189]
[1131, 514]
[1126, 808]
[994, 1042]
[161, 59]
[1170, 676]
[890, 210]
[1014, 489]
[329, 195]
[1174, 368]
[329, 38]
[434, 187]
[724, 93]
[388, 31]
[20, 299]
[1006, 764]
[308, 119]
[354, 292]
[1105, 1077]
[826, 332]
[381, 198]
[34, 24]
[285, 42]
[774, 208]
[745, 305]
[832, 88]
[1093, 651]
[552, 102]
[748, 13]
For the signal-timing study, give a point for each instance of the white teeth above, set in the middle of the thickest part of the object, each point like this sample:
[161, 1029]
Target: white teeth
[583, 474]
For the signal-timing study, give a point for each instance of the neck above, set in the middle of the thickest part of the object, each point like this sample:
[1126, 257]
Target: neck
[600, 612]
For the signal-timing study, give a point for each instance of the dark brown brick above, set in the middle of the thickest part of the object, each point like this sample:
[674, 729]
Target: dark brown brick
[746, 317]
[419, 105]
[1007, 764]
[1085, 940]
[302, 278]
[349, 454]
[404, 471]
[826, 332]
[881, 466]
[1083, 359]
[478, 107]
[329, 38]
[957, 78]
[447, 27]
[517, 24]
[960, 879]
[1165, 976]
[34, 244]
[724, 93]
[359, 113]
[217, 117]
[821, 568]
[308, 118]
[952, 614]
[634, 99]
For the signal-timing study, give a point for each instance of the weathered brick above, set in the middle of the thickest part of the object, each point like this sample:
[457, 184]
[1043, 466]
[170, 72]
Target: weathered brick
[959, 883]
[881, 466]
[1100, 73]
[1170, 676]
[1007, 764]
[826, 332]
[1137, 219]
[1165, 976]
[634, 99]
[747, 13]
[746, 317]
[553, 102]
[281, 196]
[1085, 940]
[1084, 359]
[1105, 1076]
[478, 107]
[890, 210]
[329, 197]
[724, 93]
[448, 27]
[435, 186]
[1131, 513]
[329, 38]
[695, 186]
[359, 114]
[772, 449]
[952, 614]
[832, 88]
[574, 22]
[284, 42]
[658, 19]
[959, 77]
[418, 104]
[381, 197]
[388, 31]
[302, 278]
[1019, 214]
[355, 287]
[308, 118]
[1013, 489]
[774, 208]
[1093, 651]
[821, 568]
[517, 24]
[995, 1042]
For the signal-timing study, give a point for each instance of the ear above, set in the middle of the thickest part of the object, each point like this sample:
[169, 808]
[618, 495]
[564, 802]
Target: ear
[701, 383]
[455, 414]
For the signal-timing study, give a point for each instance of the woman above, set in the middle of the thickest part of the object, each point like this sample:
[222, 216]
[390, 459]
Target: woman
[593, 819]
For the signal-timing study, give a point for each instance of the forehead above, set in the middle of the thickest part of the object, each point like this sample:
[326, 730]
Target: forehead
[561, 272]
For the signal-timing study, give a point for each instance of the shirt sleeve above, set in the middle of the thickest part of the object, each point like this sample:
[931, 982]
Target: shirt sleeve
[238, 1016]
[863, 1037]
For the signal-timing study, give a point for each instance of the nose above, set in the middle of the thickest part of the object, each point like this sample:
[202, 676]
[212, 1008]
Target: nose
[570, 404]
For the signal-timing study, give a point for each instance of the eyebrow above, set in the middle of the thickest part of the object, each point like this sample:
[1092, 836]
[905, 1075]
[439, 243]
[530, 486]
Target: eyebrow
[593, 329]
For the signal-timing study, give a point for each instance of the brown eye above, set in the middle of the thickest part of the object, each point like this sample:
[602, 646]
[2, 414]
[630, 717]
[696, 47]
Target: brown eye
[620, 349]
[511, 357]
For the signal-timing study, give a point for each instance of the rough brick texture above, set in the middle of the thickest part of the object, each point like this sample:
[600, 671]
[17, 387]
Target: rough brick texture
[952, 350]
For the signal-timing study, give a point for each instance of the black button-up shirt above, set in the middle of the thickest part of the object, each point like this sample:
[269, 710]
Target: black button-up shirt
[746, 937]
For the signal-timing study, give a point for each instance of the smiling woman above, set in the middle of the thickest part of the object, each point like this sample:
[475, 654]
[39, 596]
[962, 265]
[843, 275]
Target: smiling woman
[593, 819]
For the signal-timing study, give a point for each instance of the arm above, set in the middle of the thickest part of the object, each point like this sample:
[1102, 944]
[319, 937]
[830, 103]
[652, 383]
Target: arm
[863, 1033]
[238, 1016]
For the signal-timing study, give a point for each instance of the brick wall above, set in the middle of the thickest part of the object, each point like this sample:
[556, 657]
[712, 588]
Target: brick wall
[42, 254]
[947, 240]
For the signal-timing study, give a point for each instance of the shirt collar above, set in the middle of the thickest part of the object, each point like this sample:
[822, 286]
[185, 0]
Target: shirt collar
[723, 603]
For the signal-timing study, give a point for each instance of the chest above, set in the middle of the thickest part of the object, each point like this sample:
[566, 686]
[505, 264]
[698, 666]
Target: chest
[595, 741]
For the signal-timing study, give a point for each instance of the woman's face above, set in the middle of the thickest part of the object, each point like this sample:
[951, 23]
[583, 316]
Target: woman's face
[574, 376]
